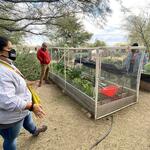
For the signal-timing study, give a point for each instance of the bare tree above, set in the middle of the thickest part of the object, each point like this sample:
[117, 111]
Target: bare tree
[27, 15]
[138, 28]
[33, 1]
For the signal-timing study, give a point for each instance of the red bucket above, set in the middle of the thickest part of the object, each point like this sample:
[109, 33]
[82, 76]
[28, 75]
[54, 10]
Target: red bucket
[109, 91]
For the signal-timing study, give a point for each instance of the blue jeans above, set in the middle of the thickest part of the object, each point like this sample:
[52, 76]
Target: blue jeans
[10, 134]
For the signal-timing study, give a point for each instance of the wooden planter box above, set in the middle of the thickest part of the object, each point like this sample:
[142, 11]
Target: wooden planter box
[89, 103]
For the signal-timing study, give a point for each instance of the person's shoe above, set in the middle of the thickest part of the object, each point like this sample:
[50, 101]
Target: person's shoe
[40, 84]
[39, 130]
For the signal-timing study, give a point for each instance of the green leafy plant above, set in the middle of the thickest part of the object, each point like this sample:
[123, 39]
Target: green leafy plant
[74, 75]
[147, 68]
[84, 85]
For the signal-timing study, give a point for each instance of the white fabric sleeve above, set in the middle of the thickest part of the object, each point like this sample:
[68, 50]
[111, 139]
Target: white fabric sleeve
[8, 99]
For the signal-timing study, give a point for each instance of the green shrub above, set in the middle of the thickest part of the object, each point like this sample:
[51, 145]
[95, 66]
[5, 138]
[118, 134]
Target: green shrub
[147, 68]
[28, 64]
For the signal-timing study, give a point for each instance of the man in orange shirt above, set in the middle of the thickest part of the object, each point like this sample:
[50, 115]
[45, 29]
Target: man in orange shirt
[44, 58]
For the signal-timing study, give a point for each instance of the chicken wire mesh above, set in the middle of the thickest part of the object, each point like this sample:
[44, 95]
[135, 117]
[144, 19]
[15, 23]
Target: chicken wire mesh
[103, 80]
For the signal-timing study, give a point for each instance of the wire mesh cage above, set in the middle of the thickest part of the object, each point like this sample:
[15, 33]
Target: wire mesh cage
[103, 80]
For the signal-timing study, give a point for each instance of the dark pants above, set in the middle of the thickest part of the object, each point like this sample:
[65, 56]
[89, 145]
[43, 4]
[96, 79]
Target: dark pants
[10, 134]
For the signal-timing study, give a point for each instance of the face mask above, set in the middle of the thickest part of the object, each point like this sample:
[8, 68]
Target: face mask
[12, 54]
[133, 50]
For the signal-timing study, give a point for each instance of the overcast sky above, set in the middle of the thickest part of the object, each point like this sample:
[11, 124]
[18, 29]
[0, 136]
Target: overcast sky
[113, 31]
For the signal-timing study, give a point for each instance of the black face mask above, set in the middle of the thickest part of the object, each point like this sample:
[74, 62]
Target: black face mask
[12, 54]
[133, 50]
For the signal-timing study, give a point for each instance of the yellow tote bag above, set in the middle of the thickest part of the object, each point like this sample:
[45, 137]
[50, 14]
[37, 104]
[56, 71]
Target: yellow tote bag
[35, 97]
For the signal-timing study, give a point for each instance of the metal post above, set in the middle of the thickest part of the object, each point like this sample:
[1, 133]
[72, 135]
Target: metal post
[80, 58]
[68, 58]
[97, 73]
[65, 66]
[52, 61]
[57, 55]
[57, 59]
[139, 75]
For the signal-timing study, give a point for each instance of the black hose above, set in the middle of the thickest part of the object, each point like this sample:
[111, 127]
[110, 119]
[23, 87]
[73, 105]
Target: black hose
[102, 138]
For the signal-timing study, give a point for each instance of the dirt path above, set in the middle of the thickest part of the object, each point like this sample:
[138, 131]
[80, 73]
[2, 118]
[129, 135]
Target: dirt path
[70, 129]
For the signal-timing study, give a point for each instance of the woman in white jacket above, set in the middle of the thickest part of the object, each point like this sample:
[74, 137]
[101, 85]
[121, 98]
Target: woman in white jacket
[15, 100]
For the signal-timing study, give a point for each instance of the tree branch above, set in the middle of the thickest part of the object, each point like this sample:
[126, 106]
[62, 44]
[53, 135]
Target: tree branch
[42, 33]
[30, 1]
[31, 18]
[14, 16]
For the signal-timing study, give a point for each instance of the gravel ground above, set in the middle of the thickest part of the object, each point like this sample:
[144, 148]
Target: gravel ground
[70, 129]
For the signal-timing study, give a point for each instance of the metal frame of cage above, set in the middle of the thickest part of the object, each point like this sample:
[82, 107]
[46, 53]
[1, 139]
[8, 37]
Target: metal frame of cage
[93, 105]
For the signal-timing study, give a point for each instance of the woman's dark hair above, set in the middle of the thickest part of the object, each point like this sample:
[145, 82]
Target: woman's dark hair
[135, 44]
[3, 42]
[134, 50]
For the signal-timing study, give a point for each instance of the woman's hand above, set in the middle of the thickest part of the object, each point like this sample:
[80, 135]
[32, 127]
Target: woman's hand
[38, 111]
[34, 84]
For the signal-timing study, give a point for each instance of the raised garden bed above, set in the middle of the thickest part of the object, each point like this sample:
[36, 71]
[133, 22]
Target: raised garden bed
[97, 82]
[102, 108]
